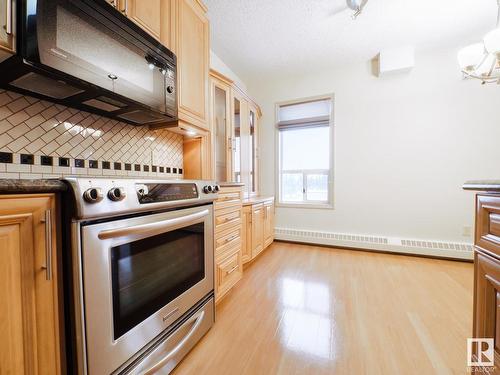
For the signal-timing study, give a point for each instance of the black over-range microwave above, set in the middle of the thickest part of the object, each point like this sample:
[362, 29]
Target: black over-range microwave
[87, 55]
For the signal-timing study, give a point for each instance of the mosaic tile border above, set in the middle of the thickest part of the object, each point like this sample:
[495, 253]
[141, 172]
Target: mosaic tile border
[40, 139]
[29, 166]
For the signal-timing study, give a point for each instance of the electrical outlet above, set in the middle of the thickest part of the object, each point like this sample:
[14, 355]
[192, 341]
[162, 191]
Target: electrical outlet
[467, 231]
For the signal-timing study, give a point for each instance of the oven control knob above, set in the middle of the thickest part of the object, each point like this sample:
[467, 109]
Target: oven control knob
[117, 194]
[207, 189]
[93, 195]
[216, 188]
[170, 89]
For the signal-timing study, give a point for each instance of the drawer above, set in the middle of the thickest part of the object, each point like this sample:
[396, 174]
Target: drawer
[228, 271]
[229, 197]
[227, 218]
[488, 224]
[228, 239]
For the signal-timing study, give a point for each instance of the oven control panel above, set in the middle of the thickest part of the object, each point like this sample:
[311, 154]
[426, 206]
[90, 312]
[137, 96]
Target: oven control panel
[106, 197]
[165, 192]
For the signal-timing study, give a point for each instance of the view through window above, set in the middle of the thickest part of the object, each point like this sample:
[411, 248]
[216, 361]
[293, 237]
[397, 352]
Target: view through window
[305, 151]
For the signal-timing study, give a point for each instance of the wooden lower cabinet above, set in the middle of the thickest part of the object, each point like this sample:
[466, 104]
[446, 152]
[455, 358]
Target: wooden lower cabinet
[487, 271]
[246, 235]
[228, 270]
[228, 244]
[487, 300]
[29, 311]
[258, 228]
[268, 223]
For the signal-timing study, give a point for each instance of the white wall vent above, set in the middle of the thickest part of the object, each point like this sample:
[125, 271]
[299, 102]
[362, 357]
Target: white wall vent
[396, 60]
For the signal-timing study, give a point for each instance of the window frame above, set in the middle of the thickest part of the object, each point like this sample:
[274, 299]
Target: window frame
[329, 204]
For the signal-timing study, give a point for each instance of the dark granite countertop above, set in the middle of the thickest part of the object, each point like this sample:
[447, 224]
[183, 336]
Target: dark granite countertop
[231, 184]
[485, 185]
[13, 186]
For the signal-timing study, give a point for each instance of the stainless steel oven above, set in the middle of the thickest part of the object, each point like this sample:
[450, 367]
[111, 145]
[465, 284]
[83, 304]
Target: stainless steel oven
[145, 278]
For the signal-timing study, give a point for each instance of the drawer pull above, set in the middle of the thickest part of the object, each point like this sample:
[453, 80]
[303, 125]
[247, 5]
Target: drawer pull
[230, 219]
[232, 270]
[224, 199]
[231, 238]
[48, 244]
[8, 24]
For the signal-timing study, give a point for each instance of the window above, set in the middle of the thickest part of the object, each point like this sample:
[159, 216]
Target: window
[305, 152]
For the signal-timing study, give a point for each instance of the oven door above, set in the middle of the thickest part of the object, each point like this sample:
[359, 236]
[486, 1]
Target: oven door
[139, 276]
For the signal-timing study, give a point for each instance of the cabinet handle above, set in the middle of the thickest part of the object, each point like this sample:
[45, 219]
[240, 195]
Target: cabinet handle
[8, 25]
[232, 270]
[230, 143]
[231, 238]
[48, 245]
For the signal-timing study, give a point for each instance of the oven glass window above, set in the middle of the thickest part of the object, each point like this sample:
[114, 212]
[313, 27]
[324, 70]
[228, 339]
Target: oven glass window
[149, 273]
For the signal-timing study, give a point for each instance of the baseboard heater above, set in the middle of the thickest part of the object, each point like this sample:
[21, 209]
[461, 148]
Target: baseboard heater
[433, 248]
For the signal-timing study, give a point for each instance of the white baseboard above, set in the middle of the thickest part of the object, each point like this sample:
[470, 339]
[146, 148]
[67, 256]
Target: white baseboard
[440, 249]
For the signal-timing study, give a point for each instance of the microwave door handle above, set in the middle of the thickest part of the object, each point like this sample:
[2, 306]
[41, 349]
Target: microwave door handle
[152, 228]
[162, 362]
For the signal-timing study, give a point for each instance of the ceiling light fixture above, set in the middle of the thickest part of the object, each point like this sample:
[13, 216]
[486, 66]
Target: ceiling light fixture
[357, 6]
[482, 60]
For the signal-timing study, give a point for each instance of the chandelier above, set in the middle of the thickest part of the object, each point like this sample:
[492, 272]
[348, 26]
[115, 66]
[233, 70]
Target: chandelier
[481, 60]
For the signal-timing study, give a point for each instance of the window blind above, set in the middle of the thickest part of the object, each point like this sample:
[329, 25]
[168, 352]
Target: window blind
[313, 113]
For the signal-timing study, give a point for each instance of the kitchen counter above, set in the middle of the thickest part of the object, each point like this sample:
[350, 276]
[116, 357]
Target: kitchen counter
[230, 184]
[486, 185]
[256, 200]
[16, 186]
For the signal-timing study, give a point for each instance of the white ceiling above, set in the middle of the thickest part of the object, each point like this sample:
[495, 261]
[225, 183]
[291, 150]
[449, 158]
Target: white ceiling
[264, 37]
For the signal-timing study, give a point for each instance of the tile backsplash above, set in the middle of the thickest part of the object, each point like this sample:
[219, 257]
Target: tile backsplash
[39, 139]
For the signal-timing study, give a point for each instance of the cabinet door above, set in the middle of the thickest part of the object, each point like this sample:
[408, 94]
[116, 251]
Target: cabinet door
[7, 25]
[253, 140]
[246, 235]
[146, 13]
[30, 343]
[257, 229]
[268, 223]
[487, 300]
[228, 270]
[192, 50]
[220, 107]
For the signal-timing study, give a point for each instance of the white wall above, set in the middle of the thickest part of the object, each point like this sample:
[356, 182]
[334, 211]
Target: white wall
[403, 147]
[217, 64]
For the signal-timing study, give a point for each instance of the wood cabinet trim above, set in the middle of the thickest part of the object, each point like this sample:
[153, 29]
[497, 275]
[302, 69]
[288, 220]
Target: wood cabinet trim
[486, 206]
[193, 116]
[40, 299]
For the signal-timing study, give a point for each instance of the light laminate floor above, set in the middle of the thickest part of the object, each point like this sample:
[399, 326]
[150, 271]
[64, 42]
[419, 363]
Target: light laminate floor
[311, 310]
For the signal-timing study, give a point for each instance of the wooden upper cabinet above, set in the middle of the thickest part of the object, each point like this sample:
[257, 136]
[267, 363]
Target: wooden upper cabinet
[7, 42]
[28, 289]
[146, 13]
[191, 45]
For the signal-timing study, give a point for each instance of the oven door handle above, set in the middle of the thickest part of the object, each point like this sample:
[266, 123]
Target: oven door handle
[162, 362]
[152, 228]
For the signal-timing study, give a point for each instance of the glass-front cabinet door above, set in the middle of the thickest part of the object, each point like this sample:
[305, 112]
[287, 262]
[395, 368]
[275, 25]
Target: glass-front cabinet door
[222, 132]
[253, 140]
[237, 140]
